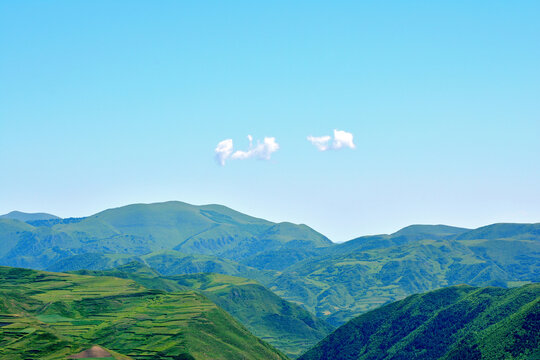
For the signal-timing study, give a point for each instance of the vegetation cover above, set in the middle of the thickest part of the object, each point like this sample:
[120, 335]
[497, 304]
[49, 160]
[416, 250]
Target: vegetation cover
[283, 324]
[144, 228]
[362, 274]
[336, 282]
[458, 322]
[52, 316]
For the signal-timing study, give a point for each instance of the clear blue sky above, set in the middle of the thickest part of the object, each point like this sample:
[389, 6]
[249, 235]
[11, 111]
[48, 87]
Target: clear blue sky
[106, 103]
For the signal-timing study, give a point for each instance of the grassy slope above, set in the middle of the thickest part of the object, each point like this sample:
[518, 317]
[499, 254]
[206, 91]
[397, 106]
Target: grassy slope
[166, 262]
[360, 275]
[10, 233]
[452, 323]
[284, 325]
[143, 228]
[51, 315]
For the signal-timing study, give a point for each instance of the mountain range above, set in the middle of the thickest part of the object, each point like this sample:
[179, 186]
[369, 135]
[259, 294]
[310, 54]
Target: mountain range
[308, 284]
[364, 273]
[140, 229]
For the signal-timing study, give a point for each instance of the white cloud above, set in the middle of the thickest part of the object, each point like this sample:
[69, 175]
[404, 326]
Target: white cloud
[320, 142]
[223, 151]
[342, 139]
[262, 151]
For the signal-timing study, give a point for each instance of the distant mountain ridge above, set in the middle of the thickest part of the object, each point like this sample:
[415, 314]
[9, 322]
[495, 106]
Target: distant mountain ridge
[503, 231]
[423, 231]
[143, 228]
[22, 216]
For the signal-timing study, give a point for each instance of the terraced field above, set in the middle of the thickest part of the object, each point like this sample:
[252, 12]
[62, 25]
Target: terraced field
[53, 316]
[284, 325]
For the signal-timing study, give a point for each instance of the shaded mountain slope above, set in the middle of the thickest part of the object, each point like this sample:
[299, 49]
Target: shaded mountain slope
[11, 232]
[453, 323]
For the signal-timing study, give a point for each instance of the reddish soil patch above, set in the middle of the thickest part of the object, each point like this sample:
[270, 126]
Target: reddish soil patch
[93, 352]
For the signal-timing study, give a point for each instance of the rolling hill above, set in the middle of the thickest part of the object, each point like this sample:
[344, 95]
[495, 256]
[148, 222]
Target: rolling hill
[47, 315]
[357, 276]
[144, 228]
[459, 322]
[165, 262]
[285, 325]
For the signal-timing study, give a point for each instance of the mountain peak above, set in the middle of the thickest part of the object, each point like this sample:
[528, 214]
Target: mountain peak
[22, 216]
[438, 230]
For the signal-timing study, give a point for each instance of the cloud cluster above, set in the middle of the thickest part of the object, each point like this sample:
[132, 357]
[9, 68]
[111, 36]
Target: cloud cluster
[224, 150]
[263, 151]
[342, 139]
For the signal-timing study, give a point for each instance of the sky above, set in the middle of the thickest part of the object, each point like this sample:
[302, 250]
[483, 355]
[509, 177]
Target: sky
[363, 116]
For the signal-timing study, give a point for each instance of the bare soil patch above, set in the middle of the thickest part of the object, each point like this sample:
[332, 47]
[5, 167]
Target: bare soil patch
[94, 352]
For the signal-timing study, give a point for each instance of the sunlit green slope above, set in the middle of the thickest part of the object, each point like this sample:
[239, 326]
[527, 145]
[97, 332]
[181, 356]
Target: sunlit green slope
[52, 315]
[165, 262]
[284, 325]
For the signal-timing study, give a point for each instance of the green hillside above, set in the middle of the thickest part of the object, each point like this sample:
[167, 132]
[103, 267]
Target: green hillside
[282, 324]
[459, 322]
[10, 234]
[166, 262]
[144, 228]
[363, 274]
[53, 315]
[334, 281]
